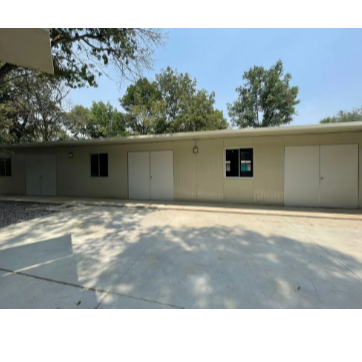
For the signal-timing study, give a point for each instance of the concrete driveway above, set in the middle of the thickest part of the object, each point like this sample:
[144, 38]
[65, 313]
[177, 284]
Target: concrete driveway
[193, 257]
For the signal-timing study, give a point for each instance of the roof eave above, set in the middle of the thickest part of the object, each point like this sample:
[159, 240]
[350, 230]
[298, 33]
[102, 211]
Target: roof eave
[249, 132]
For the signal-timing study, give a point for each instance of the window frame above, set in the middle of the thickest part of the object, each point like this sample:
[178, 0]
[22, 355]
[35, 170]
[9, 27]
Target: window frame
[99, 165]
[224, 162]
[11, 166]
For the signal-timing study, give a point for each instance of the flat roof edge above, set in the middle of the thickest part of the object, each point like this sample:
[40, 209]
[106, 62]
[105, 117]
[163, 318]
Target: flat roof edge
[229, 133]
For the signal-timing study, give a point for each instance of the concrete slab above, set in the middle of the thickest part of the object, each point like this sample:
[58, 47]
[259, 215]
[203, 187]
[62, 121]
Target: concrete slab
[73, 247]
[18, 291]
[156, 258]
[267, 210]
[114, 301]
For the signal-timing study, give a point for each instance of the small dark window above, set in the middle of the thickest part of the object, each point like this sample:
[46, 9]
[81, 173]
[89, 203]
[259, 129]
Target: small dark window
[103, 164]
[239, 162]
[246, 162]
[5, 167]
[232, 161]
[99, 165]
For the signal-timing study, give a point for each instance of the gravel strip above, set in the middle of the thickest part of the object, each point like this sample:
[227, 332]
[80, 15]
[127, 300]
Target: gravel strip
[13, 212]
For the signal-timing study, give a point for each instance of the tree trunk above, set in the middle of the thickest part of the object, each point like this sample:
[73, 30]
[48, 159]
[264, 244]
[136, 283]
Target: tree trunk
[5, 70]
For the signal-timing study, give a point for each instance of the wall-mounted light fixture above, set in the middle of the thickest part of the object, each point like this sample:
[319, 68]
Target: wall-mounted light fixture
[195, 149]
[70, 154]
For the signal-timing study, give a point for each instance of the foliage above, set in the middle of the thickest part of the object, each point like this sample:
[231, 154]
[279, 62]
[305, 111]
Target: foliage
[78, 122]
[170, 104]
[33, 110]
[266, 98]
[200, 115]
[79, 56]
[100, 121]
[82, 54]
[354, 116]
[144, 106]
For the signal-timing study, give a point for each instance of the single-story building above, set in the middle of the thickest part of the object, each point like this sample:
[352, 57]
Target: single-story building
[318, 165]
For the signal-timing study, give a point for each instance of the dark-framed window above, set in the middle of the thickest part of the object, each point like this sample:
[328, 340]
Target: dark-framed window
[239, 162]
[5, 166]
[99, 165]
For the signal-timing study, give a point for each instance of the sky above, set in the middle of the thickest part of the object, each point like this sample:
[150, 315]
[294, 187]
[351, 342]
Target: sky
[326, 65]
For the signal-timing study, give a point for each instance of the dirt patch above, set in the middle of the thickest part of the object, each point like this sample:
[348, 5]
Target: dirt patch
[14, 212]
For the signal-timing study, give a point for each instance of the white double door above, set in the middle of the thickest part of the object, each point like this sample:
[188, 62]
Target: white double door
[325, 176]
[150, 175]
[41, 175]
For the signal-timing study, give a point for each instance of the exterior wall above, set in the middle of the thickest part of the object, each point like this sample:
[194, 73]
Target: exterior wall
[14, 185]
[209, 174]
[196, 176]
[73, 174]
[185, 171]
[269, 170]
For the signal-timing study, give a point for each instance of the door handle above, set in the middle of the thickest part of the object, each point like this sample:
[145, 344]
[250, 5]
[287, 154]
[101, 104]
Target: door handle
[322, 178]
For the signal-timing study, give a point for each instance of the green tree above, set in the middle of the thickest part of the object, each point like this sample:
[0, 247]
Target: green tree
[144, 106]
[102, 120]
[33, 110]
[170, 104]
[200, 115]
[177, 91]
[106, 121]
[266, 98]
[82, 54]
[79, 122]
[354, 116]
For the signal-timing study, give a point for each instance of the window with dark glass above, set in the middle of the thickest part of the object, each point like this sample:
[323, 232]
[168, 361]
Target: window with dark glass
[5, 167]
[246, 162]
[99, 165]
[232, 161]
[239, 162]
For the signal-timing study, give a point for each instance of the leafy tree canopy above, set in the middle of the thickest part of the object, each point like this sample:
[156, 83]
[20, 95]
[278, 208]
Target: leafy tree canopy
[100, 121]
[144, 106]
[354, 116]
[170, 104]
[33, 110]
[265, 99]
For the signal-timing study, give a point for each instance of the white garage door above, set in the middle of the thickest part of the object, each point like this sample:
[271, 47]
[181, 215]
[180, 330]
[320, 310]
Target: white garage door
[139, 175]
[162, 175]
[301, 183]
[339, 176]
[41, 175]
[150, 175]
[324, 176]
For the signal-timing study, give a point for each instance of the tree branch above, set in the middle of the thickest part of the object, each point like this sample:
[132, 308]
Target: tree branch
[72, 40]
[5, 70]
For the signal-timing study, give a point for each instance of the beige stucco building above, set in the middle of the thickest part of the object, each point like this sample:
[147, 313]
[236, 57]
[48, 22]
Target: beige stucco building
[317, 165]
